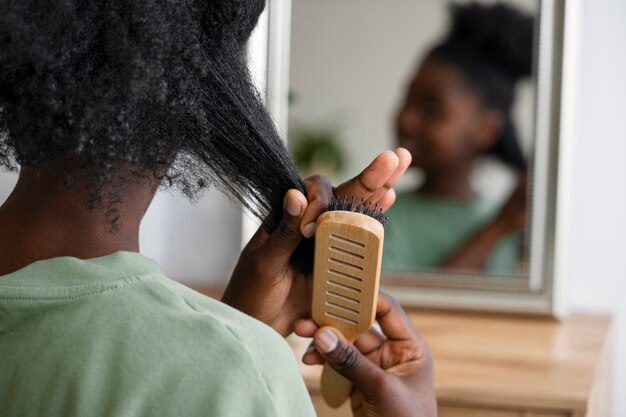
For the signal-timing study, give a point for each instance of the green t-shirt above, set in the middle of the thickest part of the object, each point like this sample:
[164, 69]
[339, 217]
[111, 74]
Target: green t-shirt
[113, 336]
[423, 232]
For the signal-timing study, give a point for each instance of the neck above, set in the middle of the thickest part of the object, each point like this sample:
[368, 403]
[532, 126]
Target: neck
[43, 219]
[452, 184]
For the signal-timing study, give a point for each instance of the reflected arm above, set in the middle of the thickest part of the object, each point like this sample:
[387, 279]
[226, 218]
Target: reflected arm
[474, 253]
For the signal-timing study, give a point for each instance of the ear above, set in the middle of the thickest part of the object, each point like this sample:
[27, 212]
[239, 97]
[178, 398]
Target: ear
[490, 124]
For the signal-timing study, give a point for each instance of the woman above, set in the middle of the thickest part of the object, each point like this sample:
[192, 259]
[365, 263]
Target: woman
[457, 110]
[103, 102]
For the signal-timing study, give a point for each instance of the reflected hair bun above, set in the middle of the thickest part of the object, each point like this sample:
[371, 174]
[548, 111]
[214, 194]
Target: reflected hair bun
[499, 33]
[492, 45]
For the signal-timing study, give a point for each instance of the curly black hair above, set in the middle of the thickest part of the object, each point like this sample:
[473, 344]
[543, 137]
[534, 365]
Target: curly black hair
[159, 88]
[492, 46]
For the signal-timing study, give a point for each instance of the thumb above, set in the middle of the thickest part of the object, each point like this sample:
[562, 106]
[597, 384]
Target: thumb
[346, 359]
[286, 236]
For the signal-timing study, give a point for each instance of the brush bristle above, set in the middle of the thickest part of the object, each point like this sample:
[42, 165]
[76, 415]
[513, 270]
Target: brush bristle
[363, 207]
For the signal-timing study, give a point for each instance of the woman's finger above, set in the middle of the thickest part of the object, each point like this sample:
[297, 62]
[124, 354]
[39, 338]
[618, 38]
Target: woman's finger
[319, 193]
[346, 359]
[286, 236]
[374, 183]
[369, 341]
[393, 321]
[312, 356]
[372, 178]
[388, 199]
[404, 161]
[305, 327]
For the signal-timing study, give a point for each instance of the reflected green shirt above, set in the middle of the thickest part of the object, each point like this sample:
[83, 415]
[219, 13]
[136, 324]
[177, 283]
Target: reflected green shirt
[113, 336]
[423, 232]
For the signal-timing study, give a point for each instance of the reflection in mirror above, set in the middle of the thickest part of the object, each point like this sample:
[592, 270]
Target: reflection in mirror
[450, 83]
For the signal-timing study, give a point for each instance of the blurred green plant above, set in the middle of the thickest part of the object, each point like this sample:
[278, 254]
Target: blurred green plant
[317, 150]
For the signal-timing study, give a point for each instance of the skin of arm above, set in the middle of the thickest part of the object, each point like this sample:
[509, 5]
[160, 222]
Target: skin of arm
[474, 253]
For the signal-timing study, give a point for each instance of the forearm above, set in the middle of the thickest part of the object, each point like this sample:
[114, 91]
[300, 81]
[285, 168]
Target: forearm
[474, 253]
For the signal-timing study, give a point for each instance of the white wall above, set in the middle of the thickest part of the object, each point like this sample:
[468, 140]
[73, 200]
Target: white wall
[7, 182]
[596, 265]
[197, 244]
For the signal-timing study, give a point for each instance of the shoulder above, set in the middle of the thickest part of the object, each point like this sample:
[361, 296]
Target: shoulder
[238, 361]
[125, 335]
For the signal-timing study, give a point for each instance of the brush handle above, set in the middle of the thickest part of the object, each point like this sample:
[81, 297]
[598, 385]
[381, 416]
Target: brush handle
[348, 251]
[335, 388]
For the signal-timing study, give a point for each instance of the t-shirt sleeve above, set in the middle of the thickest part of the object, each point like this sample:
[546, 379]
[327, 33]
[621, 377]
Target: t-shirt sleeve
[505, 256]
[242, 384]
[252, 370]
[284, 382]
[278, 372]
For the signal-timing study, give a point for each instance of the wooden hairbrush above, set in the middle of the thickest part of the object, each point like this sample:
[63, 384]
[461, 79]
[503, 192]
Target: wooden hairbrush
[346, 274]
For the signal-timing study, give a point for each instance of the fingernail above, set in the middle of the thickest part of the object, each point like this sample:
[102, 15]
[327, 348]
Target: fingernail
[293, 207]
[327, 341]
[309, 229]
[311, 348]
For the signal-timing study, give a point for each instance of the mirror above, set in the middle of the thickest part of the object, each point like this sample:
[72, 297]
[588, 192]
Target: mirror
[471, 90]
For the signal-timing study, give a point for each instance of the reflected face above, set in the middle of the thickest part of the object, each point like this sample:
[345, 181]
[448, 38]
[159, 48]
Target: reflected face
[440, 119]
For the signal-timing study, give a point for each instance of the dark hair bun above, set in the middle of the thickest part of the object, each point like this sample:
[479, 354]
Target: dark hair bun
[499, 33]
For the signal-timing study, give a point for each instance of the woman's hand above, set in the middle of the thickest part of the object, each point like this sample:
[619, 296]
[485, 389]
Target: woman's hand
[264, 284]
[392, 373]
